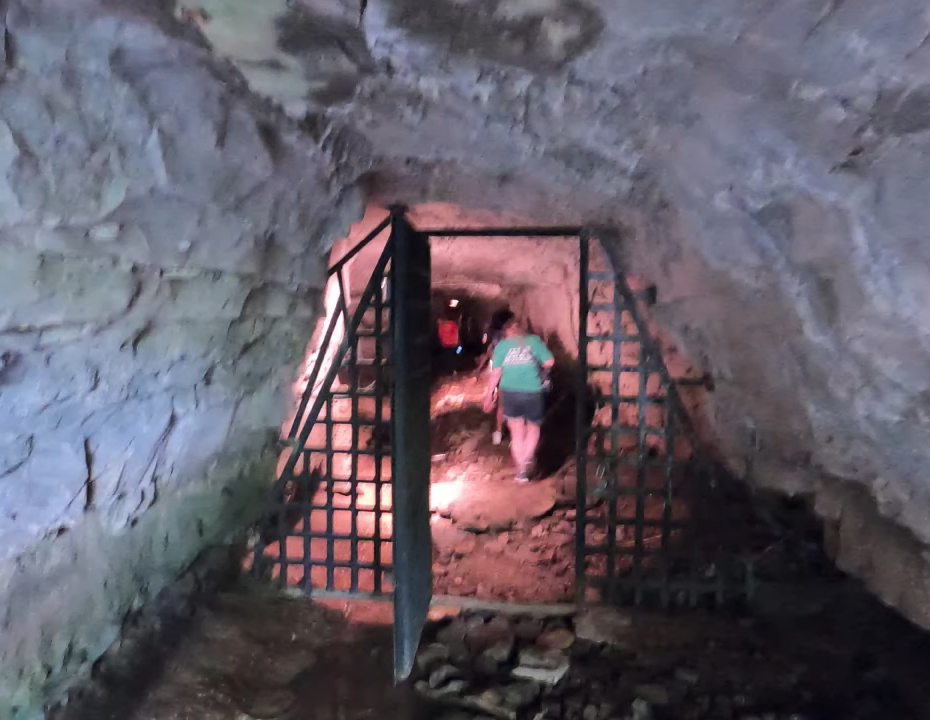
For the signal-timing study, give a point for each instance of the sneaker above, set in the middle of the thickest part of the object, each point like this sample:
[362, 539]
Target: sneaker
[496, 438]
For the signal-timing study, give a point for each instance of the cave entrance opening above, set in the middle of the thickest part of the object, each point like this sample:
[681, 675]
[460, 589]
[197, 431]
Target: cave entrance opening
[641, 505]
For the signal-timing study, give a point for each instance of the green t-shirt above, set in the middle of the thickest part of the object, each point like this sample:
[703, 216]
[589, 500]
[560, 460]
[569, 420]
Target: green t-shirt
[520, 358]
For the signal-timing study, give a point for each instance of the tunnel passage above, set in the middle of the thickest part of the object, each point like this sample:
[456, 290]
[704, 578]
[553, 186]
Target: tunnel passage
[628, 504]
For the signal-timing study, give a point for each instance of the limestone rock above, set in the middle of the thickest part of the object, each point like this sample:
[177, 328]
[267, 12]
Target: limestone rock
[441, 676]
[162, 235]
[163, 240]
[655, 695]
[536, 658]
[604, 625]
[431, 655]
[503, 506]
[557, 639]
[496, 634]
[542, 675]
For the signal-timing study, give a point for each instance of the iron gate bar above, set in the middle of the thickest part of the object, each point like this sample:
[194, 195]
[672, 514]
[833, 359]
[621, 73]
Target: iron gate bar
[410, 419]
[337, 362]
[643, 378]
[337, 266]
[297, 442]
[505, 232]
[581, 427]
[344, 296]
[378, 450]
[651, 555]
[311, 381]
[353, 467]
[614, 448]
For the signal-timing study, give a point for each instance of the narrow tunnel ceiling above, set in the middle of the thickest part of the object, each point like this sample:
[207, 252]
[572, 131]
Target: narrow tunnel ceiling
[764, 163]
[485, 266]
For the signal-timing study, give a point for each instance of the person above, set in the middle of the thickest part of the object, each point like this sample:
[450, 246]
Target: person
[520, 367]
[449, 340]
[448, 333]
[495, 334]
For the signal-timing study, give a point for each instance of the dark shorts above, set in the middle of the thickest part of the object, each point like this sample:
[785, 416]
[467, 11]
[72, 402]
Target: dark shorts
[525, 405]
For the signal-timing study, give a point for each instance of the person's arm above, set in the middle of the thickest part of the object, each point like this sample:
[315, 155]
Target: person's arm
[493, 381]
[545, 357]
[494, 377]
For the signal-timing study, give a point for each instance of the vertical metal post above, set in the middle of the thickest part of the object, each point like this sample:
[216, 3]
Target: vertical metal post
[305, 504]
[282, 533]
[377, 433]
[581, 428]
[671, 411]
[613, 465]
[330, 519]
[410, 418]
[353, 463]
[641, 427]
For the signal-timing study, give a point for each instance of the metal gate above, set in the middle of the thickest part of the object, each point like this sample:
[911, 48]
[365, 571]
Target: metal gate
[655, 525]
[350, 510]
[413, 549]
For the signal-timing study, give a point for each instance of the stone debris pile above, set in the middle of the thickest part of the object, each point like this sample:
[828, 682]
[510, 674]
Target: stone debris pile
[485, 666]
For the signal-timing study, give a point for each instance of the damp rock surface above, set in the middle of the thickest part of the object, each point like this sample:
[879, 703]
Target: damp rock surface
[689, 667]
[161, 232]
[763, 164]
[251, 652]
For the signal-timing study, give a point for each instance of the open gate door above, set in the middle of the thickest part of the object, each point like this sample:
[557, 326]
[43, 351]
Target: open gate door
[655, 524]
[349, 513]
[410, 311]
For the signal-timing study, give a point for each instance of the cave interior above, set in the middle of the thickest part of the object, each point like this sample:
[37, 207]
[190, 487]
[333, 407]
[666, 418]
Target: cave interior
[742, 532]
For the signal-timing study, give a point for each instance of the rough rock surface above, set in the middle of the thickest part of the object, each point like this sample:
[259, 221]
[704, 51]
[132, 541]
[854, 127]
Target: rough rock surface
[161, 234]
[764, 164]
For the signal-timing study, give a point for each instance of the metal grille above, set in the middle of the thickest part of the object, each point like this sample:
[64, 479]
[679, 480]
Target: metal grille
[329, 529]
[652, 522]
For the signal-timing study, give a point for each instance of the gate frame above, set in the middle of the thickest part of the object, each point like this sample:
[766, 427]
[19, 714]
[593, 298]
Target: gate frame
[409, 618]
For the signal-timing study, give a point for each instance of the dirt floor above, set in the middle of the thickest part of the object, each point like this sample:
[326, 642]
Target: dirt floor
[812, 646]
[251, 654]
[493, 538]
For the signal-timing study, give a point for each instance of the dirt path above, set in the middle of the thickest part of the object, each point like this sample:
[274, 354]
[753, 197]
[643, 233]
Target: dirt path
[253, 655]
[492, 538]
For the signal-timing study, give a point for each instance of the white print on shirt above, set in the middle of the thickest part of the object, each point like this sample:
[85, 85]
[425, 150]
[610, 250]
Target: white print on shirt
[518, 356]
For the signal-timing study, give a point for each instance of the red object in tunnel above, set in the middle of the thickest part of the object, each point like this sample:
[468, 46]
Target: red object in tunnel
[448, 333]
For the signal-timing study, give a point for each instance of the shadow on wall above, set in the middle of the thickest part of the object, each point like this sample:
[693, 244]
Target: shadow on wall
[559, 432]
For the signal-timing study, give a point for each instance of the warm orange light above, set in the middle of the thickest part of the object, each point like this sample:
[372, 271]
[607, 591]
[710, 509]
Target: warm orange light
[443, 494]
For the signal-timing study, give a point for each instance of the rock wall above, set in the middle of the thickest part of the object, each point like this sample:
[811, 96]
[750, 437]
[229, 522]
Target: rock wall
[537, 277]
[161, 236]
[765, 164]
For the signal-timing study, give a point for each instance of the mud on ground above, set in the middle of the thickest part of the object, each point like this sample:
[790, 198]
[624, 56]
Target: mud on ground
[493, 538]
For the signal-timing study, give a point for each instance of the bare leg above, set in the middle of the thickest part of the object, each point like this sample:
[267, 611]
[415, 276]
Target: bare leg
[517, 439]
[530, 443]
[497, 437]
